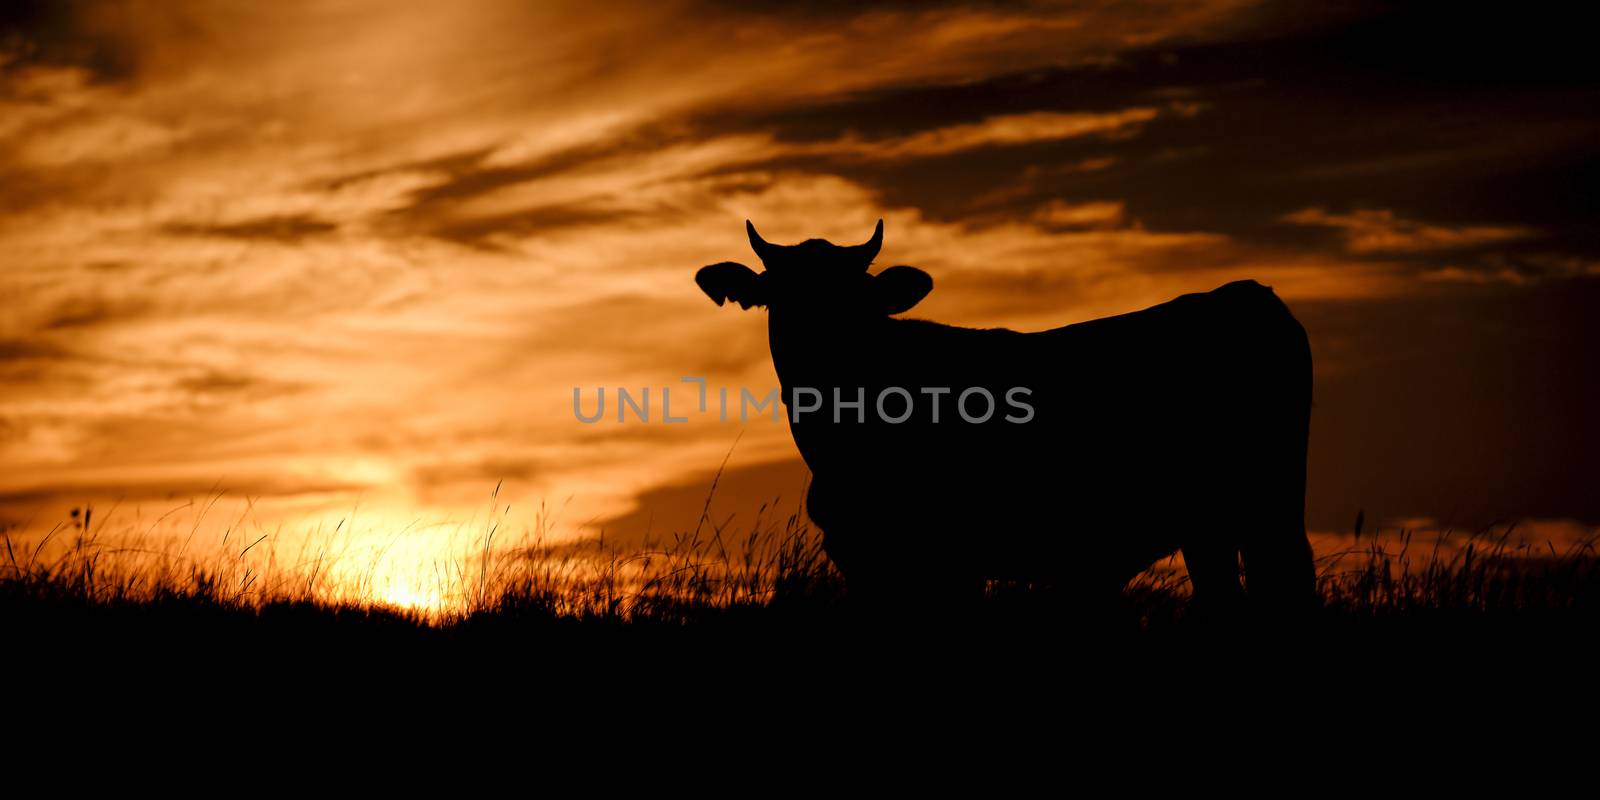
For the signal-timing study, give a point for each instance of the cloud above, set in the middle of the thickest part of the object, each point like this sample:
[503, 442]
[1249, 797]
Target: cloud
[1515, 269]
[1459, 275]
[1379, 231]
[493, 200]
[1000, 131]
[487, 470]
[284, 228]
[1059, 213]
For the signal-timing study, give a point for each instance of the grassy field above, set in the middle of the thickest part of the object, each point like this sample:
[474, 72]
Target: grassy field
[709, 638]
[773, 574]
[759, 622]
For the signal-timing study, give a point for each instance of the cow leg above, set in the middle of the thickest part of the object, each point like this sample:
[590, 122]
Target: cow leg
[1279, 569]
[1280, 573]
[1213, 564]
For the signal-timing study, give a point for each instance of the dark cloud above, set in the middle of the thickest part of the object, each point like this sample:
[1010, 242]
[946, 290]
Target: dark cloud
[32, 361]
[27, 349]
[479, 231]
[490, 470]
[217, 382]
[811, 12]
[78, 33]
[287, 229]
[1437, 112]
[431, 210]
[91, 309]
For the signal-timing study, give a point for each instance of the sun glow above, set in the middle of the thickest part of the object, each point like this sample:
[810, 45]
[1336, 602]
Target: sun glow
[410, 598]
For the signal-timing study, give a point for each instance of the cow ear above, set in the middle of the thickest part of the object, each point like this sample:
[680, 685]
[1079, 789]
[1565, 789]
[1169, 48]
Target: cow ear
[897, 289]
[731, 281]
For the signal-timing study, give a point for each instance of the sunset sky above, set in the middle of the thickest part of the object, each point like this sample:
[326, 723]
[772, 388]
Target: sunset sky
[319, 253]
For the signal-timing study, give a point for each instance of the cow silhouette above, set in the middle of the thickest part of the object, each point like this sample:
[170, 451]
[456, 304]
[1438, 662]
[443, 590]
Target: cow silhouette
[1107, 445]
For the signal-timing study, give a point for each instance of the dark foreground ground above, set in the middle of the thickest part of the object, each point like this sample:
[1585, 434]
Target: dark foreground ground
[202, 639]
[780, 647]
[1015, 691]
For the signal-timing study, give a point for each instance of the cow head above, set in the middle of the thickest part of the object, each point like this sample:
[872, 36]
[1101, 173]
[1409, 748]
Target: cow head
[817, 277]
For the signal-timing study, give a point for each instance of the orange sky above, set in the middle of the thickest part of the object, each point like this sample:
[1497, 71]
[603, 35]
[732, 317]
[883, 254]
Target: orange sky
[314, 252]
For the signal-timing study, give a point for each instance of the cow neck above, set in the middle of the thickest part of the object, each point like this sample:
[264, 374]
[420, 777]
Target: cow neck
[819, 352]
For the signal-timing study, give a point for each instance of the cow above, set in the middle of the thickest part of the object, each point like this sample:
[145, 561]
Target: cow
[1107, 445]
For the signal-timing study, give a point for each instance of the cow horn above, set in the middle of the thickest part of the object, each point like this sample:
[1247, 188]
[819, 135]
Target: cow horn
[867, 251]
[758, 244]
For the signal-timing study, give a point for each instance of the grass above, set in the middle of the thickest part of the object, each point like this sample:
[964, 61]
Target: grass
[773, 570]
[682, 579]
[1477, 573]
[232, 631]
[184, 590]
[88, 614]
